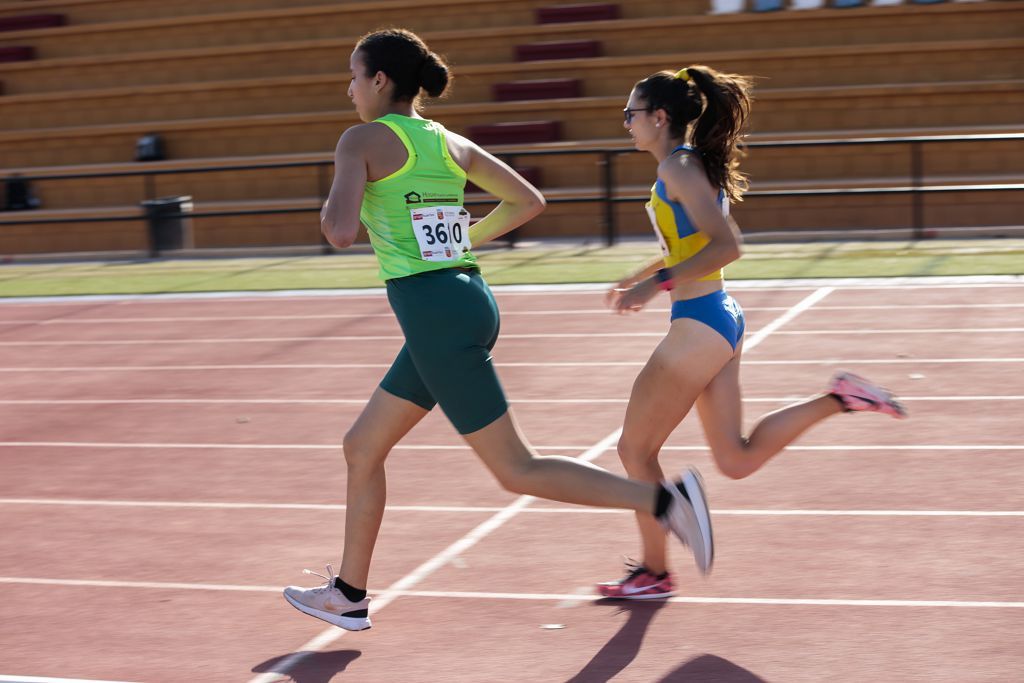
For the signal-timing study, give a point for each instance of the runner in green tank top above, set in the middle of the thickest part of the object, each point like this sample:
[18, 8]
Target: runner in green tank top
[403, 177]
[429, 179]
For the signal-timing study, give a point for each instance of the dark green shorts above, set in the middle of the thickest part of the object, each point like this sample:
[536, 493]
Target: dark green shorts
[450, 321]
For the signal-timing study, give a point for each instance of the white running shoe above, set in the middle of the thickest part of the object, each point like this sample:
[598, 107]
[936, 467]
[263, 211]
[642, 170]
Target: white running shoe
[688, 517]
[330, 604]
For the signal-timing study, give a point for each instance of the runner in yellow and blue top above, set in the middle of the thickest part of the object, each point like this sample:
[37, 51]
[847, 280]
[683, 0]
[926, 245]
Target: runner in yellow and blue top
[403, 177]
[691, 122]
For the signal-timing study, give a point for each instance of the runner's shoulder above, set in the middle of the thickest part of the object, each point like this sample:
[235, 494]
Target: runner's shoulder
[364, 136]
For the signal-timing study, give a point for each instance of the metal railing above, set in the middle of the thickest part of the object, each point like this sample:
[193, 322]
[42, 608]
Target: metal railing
[606, 163]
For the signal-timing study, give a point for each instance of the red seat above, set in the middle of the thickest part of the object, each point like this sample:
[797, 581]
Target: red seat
[27, 22]
[561, 49]
[557, 14]
[515, 133]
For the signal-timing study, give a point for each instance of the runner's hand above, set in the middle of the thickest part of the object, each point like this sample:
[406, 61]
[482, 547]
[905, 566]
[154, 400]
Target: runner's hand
[612, 296]
[634, 298]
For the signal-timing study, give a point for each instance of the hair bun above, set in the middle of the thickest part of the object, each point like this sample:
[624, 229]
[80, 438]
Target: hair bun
[433, 75]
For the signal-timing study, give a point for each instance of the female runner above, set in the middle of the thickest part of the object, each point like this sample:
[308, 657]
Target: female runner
[691, 122]
[403, 176]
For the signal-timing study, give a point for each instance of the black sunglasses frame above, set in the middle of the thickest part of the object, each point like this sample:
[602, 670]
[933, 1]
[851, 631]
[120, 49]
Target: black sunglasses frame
[627, 114]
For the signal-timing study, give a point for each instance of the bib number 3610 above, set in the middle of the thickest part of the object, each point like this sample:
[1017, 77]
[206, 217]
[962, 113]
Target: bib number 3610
[442, 232]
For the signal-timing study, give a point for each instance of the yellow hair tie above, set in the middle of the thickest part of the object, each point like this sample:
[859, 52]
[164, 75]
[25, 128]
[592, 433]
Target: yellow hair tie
[682, 74]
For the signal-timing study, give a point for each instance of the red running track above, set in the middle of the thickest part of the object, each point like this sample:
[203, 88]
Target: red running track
[169, 464]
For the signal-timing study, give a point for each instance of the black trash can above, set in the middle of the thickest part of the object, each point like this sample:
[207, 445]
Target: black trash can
[169, 227]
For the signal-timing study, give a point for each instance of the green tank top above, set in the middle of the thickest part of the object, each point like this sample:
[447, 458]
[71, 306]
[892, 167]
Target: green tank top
[414, 216]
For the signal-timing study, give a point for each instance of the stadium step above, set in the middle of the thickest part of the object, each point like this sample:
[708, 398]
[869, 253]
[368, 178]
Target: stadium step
[79, 12]
[558, 49]
[542, 89]
[321, 22]
[784, 110]
[515, 133]
[882, 33]
[953, 61]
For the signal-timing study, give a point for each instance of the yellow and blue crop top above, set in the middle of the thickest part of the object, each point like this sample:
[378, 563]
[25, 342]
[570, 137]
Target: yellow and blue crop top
[678, 236]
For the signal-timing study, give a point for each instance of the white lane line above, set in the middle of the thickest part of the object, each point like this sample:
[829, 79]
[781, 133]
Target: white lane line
[889, 307]
[473, 509]
[311, 316]
[911, 330]
[438, 561]
[819, 602]
[91, 583]
[242, 446]
[504, 314]
[881, 361]
[330, 635]
[879, 447]
[9, 678]
[926, 282]
[462, 447]
[539, 335]
[362, 401]
[506, 364]
[755, 339]
[394, 593]
[284, 340]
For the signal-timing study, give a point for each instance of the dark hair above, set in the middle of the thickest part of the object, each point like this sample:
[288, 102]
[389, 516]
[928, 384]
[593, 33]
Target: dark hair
[406, 60]
[720, 103]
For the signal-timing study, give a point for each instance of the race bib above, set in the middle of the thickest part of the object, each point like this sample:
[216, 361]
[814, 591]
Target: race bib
[442, 232]
[657, 231]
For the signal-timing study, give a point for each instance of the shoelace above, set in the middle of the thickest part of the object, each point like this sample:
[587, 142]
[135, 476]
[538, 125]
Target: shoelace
[329, 579]
[633, 568]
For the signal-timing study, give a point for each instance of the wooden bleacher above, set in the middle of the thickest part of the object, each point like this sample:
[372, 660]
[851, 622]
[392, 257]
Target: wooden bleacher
[256, 82]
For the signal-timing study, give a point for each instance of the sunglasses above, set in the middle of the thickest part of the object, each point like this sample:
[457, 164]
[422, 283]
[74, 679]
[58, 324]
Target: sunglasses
[627, 114]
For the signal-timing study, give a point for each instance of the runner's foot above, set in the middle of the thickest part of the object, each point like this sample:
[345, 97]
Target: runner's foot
[328, 603]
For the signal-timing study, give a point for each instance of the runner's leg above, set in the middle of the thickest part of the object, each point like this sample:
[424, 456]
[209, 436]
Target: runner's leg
[662, 395]
[382, 424]
[720, 406]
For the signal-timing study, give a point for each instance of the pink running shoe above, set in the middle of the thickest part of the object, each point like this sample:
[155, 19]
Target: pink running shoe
[857, 394]
[638, 584]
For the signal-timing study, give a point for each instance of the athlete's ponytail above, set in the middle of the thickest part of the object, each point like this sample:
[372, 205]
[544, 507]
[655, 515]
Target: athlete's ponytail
[720, 104]
[407, 61]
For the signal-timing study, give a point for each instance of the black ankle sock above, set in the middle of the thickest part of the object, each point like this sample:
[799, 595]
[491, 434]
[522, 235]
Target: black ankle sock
[353, 594]
[662, 502]
[842, 403]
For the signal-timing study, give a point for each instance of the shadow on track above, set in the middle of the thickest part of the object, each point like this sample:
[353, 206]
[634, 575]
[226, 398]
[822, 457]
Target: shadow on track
[622, 648]
[711, 669]
[314, 667]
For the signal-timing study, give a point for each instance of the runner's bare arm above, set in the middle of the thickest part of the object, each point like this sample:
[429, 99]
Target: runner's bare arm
[520, 201]
[339, 217]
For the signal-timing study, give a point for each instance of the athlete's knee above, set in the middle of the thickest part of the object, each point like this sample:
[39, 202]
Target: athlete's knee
[360, 452]
[733, 461]
[635, 456]
[517, 477]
